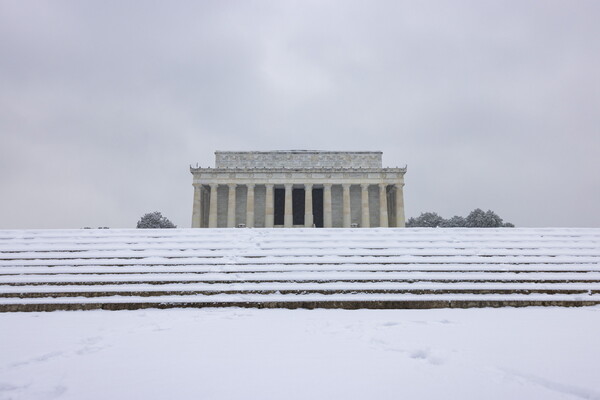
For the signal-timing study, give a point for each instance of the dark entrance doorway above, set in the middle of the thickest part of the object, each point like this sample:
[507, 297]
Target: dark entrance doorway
[298, 206]
[278, 206]
[317, 196]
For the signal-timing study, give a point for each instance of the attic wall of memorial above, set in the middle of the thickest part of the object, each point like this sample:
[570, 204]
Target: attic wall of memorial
[297, 159]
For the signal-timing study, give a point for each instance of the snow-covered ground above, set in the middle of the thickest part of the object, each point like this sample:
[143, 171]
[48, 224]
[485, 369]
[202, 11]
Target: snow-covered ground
[232, 353]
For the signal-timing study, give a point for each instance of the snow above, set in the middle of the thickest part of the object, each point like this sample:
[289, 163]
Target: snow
[235, 353]
[531, 353]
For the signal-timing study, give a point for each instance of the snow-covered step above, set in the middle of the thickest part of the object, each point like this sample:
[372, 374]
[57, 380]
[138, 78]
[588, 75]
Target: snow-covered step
[303, 286]
[348, 301]
[310, 276]
[266, 236]
[178, 233]
[350, 242]
[238, 268]
[330, 259]
[544, 253]
[254, 298]
[146, 290]
[355, 241]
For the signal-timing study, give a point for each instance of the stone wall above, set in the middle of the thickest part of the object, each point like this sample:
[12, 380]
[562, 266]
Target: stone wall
[298, 159]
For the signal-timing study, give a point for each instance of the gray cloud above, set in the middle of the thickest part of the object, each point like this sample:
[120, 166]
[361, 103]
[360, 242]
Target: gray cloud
[105, 104]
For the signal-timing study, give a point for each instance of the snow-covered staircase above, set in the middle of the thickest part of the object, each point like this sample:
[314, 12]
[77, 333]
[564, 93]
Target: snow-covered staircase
[45, 270]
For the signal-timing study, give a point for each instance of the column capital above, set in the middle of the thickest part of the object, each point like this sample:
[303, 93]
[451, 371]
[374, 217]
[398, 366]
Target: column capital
[288, 185]
[382, 186]
[346, 186]
[328, 185]
[269, 185]
[213, 185]
[365, 186]
[232, 185]
[308, 185]
[250, 185]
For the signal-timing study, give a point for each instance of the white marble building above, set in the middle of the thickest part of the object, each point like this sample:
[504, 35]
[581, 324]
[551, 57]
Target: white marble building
[298, 188]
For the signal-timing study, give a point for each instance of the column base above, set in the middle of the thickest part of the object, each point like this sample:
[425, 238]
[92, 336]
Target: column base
[269, 222]
[308, 220]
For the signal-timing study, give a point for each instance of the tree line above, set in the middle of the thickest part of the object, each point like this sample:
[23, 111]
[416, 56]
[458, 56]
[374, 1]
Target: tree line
[476, 219]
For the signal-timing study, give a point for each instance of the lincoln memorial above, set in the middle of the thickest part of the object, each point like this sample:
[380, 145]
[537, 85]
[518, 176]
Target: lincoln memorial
[298, 188]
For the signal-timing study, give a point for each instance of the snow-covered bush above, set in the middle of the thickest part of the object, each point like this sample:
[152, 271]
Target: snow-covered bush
[425, 220]
[480, 219]
[154, 220]
[454, 222]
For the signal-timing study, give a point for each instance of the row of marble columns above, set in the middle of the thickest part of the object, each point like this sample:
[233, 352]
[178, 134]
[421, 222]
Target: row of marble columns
[308, 206]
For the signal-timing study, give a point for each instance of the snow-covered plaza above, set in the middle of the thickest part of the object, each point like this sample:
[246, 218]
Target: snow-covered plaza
[233, 353]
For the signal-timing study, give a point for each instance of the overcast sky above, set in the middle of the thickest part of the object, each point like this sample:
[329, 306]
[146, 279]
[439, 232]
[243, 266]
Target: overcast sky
[491, 104]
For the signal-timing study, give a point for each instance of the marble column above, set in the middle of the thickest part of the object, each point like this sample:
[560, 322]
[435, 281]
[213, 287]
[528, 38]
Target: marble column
[288, 214]
[250, 206]
[400, 222]
[231, 206]
[364, 205]
[269, 210]
[197, 207]
[212, 206]
[308, 207]
[346, 205]
[327, 217]
[383, 214]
